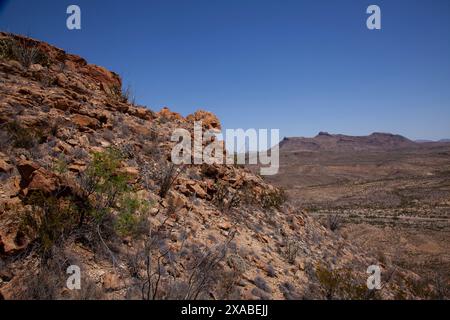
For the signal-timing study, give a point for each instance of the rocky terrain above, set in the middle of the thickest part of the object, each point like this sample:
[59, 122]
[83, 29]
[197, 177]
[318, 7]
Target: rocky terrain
[86, 180]
[387, 193]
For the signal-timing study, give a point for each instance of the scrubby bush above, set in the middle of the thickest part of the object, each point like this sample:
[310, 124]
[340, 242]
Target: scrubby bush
[50, 219]
[342, 284]
[167, 177]
[225, 198]
[334, 222]
[49, 282]
[103, 182]
[23, 51]
[273, 198]
[292, 249]
[130, 217]
[60, 164]
[22, 137]
[124, 95]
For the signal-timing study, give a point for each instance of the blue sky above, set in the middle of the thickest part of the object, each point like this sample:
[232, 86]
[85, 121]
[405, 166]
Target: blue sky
[300, 66]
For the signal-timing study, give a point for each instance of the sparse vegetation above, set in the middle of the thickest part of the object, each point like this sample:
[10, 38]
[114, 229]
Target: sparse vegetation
[292, 250]
[22, 137]
[273, 199]
[342, 284]
[21, 50]
[131, 218]
[102, 182]
[87, 179]
[225, 198]
[334, 222]
[51, 219]
[167, 177]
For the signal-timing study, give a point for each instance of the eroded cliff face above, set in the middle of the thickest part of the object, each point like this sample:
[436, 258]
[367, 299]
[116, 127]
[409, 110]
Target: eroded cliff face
[86, 180]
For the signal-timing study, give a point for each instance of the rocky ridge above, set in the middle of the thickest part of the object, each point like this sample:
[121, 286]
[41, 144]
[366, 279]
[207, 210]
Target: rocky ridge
[188, 232]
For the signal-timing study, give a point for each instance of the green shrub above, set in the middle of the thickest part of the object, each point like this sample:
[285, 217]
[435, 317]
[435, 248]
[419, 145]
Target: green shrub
[102, 184]
[60, 165]
[130, 217]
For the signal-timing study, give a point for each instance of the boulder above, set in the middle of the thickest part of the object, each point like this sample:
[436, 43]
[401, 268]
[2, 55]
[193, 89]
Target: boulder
[36, 68]
[26, 169]
[169, 115]
[35, 177]
[85, 121]
[43, 180]
[197, 189]
[208, 119]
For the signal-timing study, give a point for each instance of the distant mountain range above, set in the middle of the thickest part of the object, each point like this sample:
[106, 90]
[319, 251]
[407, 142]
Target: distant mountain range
[325, 141]
[338, 142]
[426, 141]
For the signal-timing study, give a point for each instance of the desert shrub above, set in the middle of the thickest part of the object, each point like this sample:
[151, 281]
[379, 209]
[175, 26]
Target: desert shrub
[4, 140]
[205, 269]
[26, 53]
[225, 198]
[124, 95]
[47, 80]
[49, 282]
[441, 282]
[108, 135]
[230, 279]
[262, 284]
[50, 220]
[60, 165]
[128, 151]
[289, 291]
[167, 177]
[329, 281]
[79, 153]
[22, 137]
[292, 249]
[271, 271]
[334, 222]
[159, 281]
[273, 198]
[148, 265]
[101, 184]
[431, 287]
[43, 286]
[341, 284]
[128, 95]
[130, 217]
[102, 174]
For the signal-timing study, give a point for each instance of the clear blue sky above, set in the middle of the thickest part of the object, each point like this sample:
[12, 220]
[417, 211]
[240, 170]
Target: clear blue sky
[301, 66]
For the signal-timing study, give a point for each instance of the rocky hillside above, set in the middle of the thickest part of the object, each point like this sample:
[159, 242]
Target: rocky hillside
[86, 180]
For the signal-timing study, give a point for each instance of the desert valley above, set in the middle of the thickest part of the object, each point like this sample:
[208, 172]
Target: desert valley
[385, 192]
